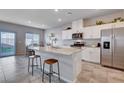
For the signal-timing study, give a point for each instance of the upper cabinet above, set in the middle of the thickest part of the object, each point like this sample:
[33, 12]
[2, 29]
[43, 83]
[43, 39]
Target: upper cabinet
[67, 34]
[111, 25]
[94, 32]
[77, 26]
[118, 24]
[91, 32]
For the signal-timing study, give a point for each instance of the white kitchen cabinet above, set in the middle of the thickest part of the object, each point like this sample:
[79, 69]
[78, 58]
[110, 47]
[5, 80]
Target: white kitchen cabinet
[67, 34]
[110, 25]
[91, 32]
[87, 33]
[77, 26]
[95, 55]
[105, 26]
[118, 25]
[85, 54]
[91, 54]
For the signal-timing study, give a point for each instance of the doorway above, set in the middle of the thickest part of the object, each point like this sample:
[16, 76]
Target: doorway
[7, 44]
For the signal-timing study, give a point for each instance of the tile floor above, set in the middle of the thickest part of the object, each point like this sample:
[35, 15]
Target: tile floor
[95, 73]
[14, 70]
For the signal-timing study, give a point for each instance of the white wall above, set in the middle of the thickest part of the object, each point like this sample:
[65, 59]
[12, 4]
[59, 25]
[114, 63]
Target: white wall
[20, 34]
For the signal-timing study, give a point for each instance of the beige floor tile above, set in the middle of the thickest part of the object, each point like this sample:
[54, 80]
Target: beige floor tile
[15, 71]
[95, 73]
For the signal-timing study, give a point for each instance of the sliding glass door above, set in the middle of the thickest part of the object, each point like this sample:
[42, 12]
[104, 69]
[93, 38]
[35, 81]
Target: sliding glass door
[7, 44]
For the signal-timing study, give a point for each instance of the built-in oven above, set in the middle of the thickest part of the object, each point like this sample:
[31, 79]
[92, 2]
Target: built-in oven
[77, 36]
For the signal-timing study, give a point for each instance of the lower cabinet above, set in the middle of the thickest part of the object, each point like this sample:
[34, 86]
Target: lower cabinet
[91, 54]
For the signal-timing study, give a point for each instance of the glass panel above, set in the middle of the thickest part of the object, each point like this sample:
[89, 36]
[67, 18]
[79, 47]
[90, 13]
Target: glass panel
[32, 39]
[29, 39]
[7, 44]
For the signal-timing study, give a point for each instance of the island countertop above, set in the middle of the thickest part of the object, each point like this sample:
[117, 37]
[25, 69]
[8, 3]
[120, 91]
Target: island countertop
[59, 50]
[69, 60]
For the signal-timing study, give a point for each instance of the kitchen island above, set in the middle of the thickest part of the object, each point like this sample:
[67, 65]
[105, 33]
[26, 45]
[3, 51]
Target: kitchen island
[69, 60]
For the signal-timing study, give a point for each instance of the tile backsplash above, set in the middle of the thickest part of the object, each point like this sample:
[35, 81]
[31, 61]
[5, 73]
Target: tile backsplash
[90, 42]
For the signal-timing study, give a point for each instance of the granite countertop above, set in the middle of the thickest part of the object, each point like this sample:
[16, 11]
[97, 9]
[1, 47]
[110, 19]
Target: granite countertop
[58, 50]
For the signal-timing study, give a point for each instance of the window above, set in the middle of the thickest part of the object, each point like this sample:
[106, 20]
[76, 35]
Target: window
[32, 39]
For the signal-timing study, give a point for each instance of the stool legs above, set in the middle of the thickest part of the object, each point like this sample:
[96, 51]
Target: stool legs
[43, 72]
[32, 66]
[36, 63]
[58, 71]
[28, 64]
[50, 72]
[40, 64]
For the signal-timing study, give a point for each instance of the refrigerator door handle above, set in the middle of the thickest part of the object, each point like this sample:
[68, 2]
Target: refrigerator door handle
[111, 43]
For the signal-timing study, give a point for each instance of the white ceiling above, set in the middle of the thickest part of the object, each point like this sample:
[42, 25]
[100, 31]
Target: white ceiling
[48, 18]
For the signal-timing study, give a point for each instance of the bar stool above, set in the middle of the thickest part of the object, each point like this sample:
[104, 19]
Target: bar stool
[50, 62]
[31, 58]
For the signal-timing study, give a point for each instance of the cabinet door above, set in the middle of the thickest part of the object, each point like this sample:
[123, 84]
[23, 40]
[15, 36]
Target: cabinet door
[85, 54]
[67, 34]
[91, 32]
[118, 24]
[95, 55]
[95, 32]
[77, 25]
[87, 33]
[63, 35]
[74, 26]
[106, 26]
[91, 55]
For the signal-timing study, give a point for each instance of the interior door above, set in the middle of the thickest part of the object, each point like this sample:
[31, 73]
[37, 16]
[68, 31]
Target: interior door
[118, 48]
[7, 44]
[106, 47]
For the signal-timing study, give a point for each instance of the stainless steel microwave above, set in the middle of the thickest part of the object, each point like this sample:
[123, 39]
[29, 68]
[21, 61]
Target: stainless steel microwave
[77, 36]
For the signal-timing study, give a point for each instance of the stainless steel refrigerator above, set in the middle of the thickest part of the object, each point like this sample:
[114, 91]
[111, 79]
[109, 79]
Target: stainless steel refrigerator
[112, 47]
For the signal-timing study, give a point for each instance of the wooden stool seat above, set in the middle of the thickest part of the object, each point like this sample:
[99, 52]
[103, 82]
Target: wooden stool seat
[51, 61]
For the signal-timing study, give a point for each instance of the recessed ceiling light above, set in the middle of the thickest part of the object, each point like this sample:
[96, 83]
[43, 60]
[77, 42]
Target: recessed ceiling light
[59, 19]
[56, 10]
